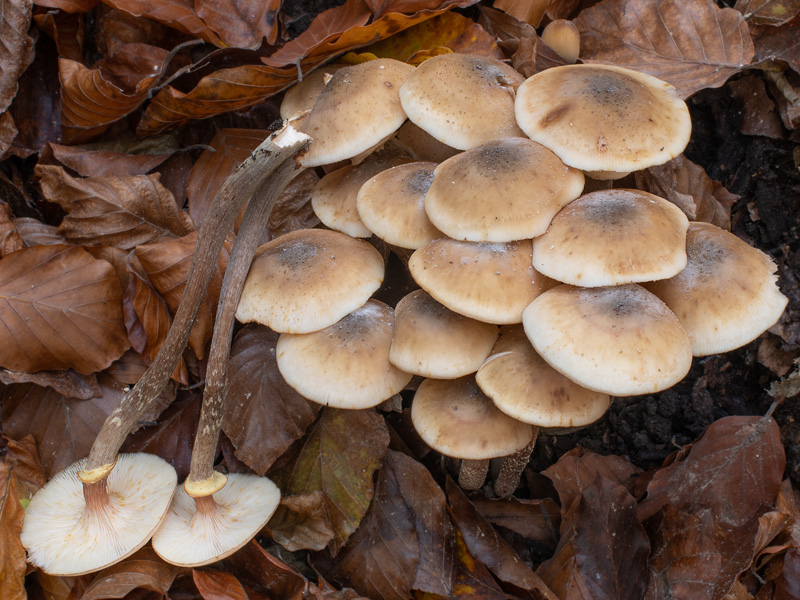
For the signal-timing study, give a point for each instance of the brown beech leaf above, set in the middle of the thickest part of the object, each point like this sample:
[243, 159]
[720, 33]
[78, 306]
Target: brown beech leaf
[113, 211]
[338, 456]
[787, 584]
[487, 546]
[23, 458]
[59, 308]
[684, 562]
[214, 584]
[69, 6]
[527, 11]
[293, 208]
[537, 520]
[143, 570]
[262, 416]
[778, 43]
[241, 23]
[167, 265]
[8, 131]
[12, 554]
[692, 44]
[302, 522]
[67, 383]
[10, 239]
[97, 163]
[406, 540]
[147, 317]
[15, 47]
[266, 575]
[35, 233]
[178, 14]
[602, 517]
[768, 12]
[687, 185]
[92, 99]
[66, 30]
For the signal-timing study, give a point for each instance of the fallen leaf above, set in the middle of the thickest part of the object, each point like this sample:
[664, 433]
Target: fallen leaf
[778, 43]
[69, 6]
[23, 458]
[114, 211]
[302, 522]
[66, 30]
[12, 554]
[15, 47]
[527, 11]
[759, 113]
[768, 12]
[293, 208]
[143, 570]
[10, 239]
[262, 415]
[241, 23]
[8, 131]
[536, 520]
[35, 233]
[268, 576]
[98, 163]
[787, 584]
[59, 308]
[473, 579]
[67, 383]
[178, 14]
[338, 456]
[214, 584]
[692, 44]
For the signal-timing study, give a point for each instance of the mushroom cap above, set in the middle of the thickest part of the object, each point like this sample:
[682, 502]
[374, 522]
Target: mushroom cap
[727, 295]
[423, 145]
[334, 197]
[308, 279]
[462, 100]
[391, 205]
[456, 418]
[620, 340]
[63, 537]
[490, 282]
[612, 237]
[433, 341]
[604, 118]
[347, 364]
[524, 386]
[191, 538]
[564, 38]
[504, 190]
[301, 97]
[358, 108]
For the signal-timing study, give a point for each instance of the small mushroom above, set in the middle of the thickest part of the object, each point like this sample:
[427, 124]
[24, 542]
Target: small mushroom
[564, 38]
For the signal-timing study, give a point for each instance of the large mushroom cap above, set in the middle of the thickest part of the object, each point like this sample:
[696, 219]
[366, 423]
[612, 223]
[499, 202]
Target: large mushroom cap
[504, 190]
[308, 279]
[619, 340]
[525, 387]
[191, 538]
[358, 109]
[457, 419]
[612, 237]
[65, 536]
[347, 364]
[604, 118]
[727, 295]
[462, 100]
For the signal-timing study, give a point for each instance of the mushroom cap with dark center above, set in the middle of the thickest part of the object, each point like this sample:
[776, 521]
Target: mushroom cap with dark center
[604, 118]
[727, 295]
[620, 340]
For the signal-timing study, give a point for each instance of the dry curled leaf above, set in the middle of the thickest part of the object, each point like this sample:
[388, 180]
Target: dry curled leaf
[10, 239]
[66, 30]
[214, 584]
[768, 12]
[97, 163]
[266, 575]
[692, 44]
[59, 308]
[15, 47]
[241, 23]
[527, 11]
[178, 14]
[12, 554]
[302, 522]
[67, 383]
[143, 570]
[23, 457]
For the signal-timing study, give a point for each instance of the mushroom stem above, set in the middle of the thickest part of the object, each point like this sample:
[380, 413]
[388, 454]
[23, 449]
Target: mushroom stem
[473, 473]
[255, 219]
[282, 146]
[512, 467]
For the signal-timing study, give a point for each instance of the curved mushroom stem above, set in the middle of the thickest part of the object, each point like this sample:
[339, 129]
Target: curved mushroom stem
[512, 467]
[202, 476]
[282, 146]
[472, 473]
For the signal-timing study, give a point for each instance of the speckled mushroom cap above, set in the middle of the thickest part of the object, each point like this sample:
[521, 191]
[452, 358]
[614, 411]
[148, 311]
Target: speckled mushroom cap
[612, 237]
[462, 100]
[727, 295]
[504, 190]
[191, 538]
[391, 205]
[64, 536]
[456, 418]
[423, 145]
[308, 279]
[620, 340]
[334, 197]
[300, 98]
[358, 108]
[604, 118]
[347, 364]
[433, 341]
[524, 386]
[490, 282]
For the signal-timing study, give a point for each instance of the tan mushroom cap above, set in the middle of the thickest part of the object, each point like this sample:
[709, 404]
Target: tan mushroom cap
[604, 118]
[564, 38]
[423, 145]
[524, 386]
[391, 205]
[504, 190]
[613, 237]
[308, 279]
[490, 282]
[191, 538]
[727, 295]
[358, 108]
[334, 198]
[456, 418]
[64, 537]
[462, 100]
[619, 340]
[347, 364]
[433, 341]
[300, 98]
